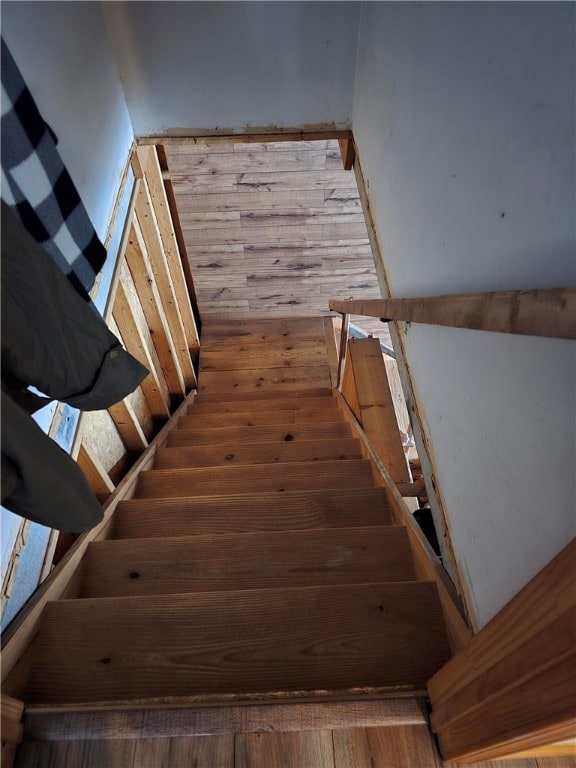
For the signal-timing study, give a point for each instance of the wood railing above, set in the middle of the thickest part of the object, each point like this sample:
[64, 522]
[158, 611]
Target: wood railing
[510, 691]
[547, 312]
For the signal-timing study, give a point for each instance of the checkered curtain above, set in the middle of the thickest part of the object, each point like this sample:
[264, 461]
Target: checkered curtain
[38, 188]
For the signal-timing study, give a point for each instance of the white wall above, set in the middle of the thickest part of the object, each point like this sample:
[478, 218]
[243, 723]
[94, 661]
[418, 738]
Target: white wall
[464, 120]
[63, 52]
[230, 65]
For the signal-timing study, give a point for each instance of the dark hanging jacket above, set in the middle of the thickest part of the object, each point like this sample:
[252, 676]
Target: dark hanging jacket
[54, 340]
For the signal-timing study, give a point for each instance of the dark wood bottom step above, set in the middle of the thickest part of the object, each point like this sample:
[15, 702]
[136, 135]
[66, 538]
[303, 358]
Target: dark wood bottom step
[126, 649]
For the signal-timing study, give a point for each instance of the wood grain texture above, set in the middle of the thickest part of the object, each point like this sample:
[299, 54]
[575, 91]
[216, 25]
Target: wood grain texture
[11, 711]
[285, 750]
[428, 566]
[163, 279]
[117, 753]
[269, 433]
[272, 560]
[166, 228]
[290, 476]
[547, 312]
[227, 454]
[332, 638]
[158, 324]
[251, 512]
[222, 720]
[216, 751]
[256, 418]
[265, 203]
[377, 414]
[403, 747]
[286, 403]
[519, 668]
[265, 379]
[205, 397]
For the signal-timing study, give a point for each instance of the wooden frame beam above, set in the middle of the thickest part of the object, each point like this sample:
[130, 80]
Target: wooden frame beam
[512, 689]
[155, 183]
[98, 479]
[253, 135]
[141, 270]
[147, 221]
[549, 312]
[348, 152]
[140, 345]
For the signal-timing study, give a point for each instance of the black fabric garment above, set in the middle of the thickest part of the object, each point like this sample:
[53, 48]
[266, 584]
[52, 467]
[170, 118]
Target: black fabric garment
[55, 341]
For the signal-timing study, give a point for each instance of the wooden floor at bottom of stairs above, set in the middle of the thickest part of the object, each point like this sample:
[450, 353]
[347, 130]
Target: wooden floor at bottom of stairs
[408, 745]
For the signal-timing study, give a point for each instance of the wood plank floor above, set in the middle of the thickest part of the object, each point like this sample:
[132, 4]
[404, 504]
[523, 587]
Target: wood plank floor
[402, 746]
[272, 229]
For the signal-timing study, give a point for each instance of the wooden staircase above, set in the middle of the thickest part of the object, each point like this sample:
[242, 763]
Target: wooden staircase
[257, 560]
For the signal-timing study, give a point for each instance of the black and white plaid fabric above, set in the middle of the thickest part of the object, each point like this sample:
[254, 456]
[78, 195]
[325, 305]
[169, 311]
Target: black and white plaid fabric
[38, 188]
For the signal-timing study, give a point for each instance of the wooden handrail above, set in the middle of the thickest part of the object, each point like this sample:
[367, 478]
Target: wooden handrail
[549, 312]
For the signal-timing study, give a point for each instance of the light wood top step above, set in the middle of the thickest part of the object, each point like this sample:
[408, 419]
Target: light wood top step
[259, 417]
[264, 403]
[292, 476]
[237, 561]
[227, 454]
[206, 397]
[251, 512]
[268, 433]
[194, 647]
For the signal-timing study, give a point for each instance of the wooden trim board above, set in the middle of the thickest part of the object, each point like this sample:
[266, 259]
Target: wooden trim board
[549, 312]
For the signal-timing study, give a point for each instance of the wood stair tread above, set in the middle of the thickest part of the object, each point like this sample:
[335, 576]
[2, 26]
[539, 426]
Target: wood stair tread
[259, 417]
[240, 513]
[264, 434]
[228, 454]
[239, 561]
[122, 649]
[289, 476]
[273, 404]
[204, 397]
